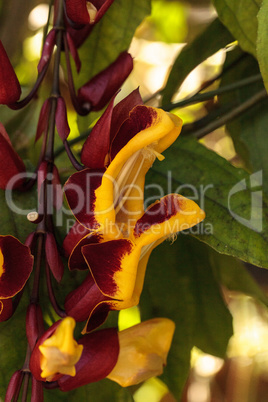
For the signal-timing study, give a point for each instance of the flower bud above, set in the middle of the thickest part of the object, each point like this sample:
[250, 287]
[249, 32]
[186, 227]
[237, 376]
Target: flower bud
[10, 89]
[100, 89]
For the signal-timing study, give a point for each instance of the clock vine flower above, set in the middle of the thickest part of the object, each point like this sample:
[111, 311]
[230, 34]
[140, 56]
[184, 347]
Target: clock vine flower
[118, 235]
[127, 357]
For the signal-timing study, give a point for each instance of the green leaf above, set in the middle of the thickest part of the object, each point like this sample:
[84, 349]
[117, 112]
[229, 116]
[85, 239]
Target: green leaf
[111, 36]
[262, 51]
[233, 274]
[13, 344]
[168, 292]
[101, 391]
[194, 171]
[213, 320]
[14, 208]
[240, 17]
[215, 37]
[180, 285]
[248, 131]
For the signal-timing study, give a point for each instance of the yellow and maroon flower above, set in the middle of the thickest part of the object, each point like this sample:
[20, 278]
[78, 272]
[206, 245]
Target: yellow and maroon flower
[117, 267]
[127, 357]
[57, 356]
[107, 200]
[119, 151]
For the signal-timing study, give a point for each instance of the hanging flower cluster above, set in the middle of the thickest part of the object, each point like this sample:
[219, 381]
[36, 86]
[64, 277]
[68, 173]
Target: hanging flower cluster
[113, 235]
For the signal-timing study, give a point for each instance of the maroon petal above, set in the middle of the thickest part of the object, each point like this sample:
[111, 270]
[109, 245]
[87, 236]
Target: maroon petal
[79, 35]
[10, 162]
[6, 309]
[102, 6]
[10, 89]
[53, 259]
[76, 260]
[16, 266]
[61, 119]
[100, 354]
[105, 260]
[76, 233]
[97, 145]
[74, 52]
[100, 89]
[122, 110]
[80, 303]
[47, 50]
[43, 119]
[159, 212]
[77, 11]
[80, 193]
[140, 118]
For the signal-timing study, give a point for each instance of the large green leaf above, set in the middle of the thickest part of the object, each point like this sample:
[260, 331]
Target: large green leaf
[215, 37]
[248, 131]
[180, 285]
[236, 221]
[262, 49]
[240, 17]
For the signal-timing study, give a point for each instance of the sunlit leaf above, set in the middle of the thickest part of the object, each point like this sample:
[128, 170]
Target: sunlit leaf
[262, 51]
[214, 38]
[240, 17]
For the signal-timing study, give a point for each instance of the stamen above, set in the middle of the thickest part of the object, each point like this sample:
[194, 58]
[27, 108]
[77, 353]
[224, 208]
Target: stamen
[124, 174]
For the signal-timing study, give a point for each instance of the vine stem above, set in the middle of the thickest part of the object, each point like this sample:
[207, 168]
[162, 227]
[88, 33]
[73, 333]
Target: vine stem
[71, 156]
[228, 116]
[201, 97]
[22, 103]
[61, 313]
[39, 251]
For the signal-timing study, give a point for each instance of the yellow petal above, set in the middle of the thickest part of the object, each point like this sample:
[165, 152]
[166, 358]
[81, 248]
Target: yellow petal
[171, 214]
[143, 351]
[148, 143]
[60, 352]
